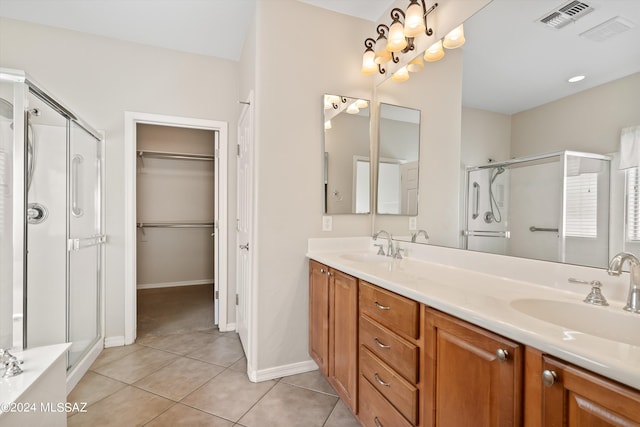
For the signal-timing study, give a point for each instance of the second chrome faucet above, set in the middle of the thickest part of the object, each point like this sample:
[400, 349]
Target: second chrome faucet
[615, 269]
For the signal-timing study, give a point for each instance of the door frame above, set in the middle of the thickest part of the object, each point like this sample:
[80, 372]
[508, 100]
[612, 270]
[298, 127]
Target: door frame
[131, 119]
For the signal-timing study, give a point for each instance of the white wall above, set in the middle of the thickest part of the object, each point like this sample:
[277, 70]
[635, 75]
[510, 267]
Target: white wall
[100, 79]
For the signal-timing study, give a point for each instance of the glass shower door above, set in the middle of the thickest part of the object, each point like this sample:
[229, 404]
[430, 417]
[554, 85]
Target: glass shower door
[85, 241]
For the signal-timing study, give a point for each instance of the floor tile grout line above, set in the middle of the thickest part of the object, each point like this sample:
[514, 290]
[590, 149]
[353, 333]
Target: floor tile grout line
[310, 389]
[258, 401]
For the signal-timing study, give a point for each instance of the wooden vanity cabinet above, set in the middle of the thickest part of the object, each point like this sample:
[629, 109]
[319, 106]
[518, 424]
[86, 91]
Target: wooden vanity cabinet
[560, 394]
[390, 346]
[473, 377]
[333, 328]
[319, 315]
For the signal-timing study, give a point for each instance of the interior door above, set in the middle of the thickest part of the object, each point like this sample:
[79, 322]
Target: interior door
[244, 224]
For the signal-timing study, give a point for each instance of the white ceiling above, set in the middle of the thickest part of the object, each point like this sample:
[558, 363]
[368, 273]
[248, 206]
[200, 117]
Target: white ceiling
[511, 62]
[207, 27]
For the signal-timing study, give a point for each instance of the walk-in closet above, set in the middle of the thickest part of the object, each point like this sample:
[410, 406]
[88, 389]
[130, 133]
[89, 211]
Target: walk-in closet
[175, 226]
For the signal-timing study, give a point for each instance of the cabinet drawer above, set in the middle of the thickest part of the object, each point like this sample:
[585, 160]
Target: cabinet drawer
[394, 350]
[397, 313]
[375, 410]
[402, 394]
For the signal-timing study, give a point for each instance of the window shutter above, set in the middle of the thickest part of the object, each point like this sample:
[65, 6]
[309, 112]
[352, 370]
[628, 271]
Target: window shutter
[632, 211]
[582, 205]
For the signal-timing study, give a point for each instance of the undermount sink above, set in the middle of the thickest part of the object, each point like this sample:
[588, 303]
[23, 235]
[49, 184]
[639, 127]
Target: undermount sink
[580, 317]
[364, 257]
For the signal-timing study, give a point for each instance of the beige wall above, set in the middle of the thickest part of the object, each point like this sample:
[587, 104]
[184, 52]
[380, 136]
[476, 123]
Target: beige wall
[101, 78]
[437, 92]
[588, 121]
[302, 53]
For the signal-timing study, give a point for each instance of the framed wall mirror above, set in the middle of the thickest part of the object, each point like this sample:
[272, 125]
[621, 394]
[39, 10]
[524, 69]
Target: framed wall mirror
[398, 160]
[347, 160]
[516, 105]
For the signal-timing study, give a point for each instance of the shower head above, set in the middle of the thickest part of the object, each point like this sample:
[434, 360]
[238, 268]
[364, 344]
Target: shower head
[6, 109]
[497, 172]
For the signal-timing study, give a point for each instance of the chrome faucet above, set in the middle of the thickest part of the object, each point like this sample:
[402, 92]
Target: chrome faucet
[417, 234]
[389, 241]
[615, 269]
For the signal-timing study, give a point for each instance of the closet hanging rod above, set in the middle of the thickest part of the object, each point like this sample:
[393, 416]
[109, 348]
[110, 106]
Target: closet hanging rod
[180, 156]
[174, 225]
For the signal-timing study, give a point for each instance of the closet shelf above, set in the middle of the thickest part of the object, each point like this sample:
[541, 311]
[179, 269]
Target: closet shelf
[178, 156]
[174, 224]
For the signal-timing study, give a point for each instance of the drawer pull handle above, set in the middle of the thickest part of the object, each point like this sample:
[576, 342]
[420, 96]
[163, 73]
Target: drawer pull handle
[379, 344]
[375, 420]
[382, 307]
[375, 375]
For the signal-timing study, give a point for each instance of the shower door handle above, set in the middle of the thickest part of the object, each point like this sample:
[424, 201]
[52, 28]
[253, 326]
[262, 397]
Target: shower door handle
[476, 200]
[76, 210]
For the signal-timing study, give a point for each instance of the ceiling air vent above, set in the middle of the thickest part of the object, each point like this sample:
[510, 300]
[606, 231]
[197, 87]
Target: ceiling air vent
[566, 14]
[608, 29]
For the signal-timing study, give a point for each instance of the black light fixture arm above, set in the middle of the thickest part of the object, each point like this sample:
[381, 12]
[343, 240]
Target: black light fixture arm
[428, 31]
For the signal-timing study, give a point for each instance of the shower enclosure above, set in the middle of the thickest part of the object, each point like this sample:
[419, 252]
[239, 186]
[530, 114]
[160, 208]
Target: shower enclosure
[50, 221]
[551, 207]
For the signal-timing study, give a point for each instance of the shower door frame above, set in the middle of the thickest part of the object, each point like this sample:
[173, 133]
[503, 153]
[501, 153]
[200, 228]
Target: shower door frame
[131, 119]
[23, 85]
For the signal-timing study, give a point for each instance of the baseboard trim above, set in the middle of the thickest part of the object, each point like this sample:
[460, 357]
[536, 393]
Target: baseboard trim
[282, 371]
[231, 327]
[83, 366]
[114, 341]
[173, 284]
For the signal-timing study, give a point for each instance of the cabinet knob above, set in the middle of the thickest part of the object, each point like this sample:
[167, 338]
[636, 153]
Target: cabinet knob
[322, 270]
[329, 273]
[502, 355]
[549, 377]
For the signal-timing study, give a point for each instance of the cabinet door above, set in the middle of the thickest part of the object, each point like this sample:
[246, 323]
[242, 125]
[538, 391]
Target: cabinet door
[468, 380]
[319, 315]
[343, 336]
[579, 398]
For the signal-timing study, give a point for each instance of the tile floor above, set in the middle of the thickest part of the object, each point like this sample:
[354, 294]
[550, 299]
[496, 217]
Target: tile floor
[198, 379]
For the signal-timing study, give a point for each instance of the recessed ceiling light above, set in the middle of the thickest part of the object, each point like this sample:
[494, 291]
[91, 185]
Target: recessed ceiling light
[575, 79]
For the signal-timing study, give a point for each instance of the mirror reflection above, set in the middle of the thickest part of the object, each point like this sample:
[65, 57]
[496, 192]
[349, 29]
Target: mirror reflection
[517, 102]
[398, 154]
[346, 188]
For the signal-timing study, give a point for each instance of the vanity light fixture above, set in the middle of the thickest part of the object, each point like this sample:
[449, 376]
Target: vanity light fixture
[361, 103]
[455, 38]
[369, 65]
[435, 52]
[402, 75]
[327, 125]
[415, 65]
[353, 109]
[398, 38]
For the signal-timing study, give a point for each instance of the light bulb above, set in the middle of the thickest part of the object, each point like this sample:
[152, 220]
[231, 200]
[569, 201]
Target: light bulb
[397, 41]
[413, 21]
[353, 109]
[455, 38]
[361, 103]
[369, 65]
[401, 75]
[327, 125]
[415, 65]
[435, 52]
[382, 55]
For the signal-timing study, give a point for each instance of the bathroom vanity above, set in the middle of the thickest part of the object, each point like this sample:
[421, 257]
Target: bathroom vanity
[406, 342]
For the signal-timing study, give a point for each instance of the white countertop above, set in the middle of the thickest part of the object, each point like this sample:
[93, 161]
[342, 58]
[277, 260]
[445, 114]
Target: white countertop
[36, 361]
[486, 301]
